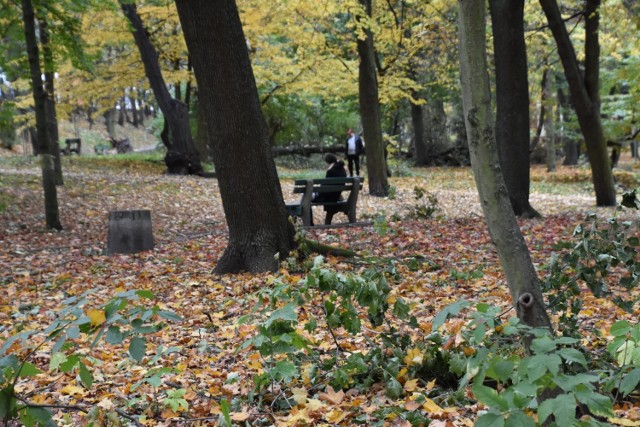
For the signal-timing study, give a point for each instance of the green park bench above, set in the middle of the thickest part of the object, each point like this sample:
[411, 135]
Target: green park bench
[72, 146]
[307, 187]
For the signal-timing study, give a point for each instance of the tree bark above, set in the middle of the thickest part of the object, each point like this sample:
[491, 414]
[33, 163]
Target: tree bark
[550, 134]
[259, 229]
[53, 145]
[570, 146]
[110, 122]
[515, 259]
[512, 99]
[52, 215]
[370, 111]
[436, 127]
[182, 157]
[419, 141]
[584, 93]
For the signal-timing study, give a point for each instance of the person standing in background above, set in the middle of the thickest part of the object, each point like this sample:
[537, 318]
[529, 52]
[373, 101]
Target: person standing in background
[353, 151]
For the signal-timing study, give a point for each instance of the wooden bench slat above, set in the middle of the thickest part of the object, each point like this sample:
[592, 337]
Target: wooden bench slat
[307, 187]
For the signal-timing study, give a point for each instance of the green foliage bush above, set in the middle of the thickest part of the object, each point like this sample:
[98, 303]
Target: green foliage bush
[559, 382]
[604, 257]
[125, 318]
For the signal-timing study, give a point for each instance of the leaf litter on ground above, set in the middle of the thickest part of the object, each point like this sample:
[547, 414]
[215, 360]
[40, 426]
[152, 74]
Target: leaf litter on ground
[40, 268]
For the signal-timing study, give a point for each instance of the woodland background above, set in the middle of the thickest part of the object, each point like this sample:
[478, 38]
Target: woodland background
[417, 328]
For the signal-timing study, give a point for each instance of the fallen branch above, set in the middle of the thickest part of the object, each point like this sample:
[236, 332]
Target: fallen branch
[310, 246]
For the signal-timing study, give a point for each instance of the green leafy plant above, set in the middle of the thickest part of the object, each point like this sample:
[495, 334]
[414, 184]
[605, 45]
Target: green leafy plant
[625, 349]
[604, 257]
[426, 204]
[283, 335]
[552, 381]
[127, 317]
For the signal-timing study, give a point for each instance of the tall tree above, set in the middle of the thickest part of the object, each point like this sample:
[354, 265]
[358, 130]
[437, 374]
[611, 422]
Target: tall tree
[370, 107]
[182, 156]
[52, 215]
[50, 102]
[522, 279]
[512, 100]
[584, 89]
[259, 230]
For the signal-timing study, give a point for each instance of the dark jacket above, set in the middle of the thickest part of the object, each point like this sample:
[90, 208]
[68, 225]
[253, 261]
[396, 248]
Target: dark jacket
[359, 146]
[337, 170]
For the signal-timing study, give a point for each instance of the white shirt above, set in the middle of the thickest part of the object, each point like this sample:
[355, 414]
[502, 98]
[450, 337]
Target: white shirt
[351, 150]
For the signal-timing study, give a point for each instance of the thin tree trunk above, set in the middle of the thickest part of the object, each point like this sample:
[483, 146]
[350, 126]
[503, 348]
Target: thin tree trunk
[534, 148]
[512, 99]
[39, 97]
[370, 112]
[182, 156]
[53, 146]
[584, 93]
[550, 135]
[110, 122]
[515, 259]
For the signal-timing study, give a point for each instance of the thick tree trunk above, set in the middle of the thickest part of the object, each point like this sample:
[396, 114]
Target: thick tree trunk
[370, 113]
[584, 93]
[39, 97]
[182, 156]
[512, 99]
[514, 255]
[419, 141]
[50, 103]
[259, 230]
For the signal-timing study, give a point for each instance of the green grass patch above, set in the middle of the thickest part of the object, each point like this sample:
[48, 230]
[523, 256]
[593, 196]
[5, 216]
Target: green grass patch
[152, 163]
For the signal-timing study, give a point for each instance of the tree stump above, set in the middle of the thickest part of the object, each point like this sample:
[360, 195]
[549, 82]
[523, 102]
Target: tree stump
[129, 232]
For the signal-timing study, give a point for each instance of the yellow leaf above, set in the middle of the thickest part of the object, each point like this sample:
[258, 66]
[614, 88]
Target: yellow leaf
[96, 317]
[411, 385]
[332, 396]
[430, 406]
[72, 390]
[411, 405]
[413, 357]
[336, 416]
[299, 395]
[624, 422]
[314, 405]
[240, 416]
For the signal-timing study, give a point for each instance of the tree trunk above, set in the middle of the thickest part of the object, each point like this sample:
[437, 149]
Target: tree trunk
[584, 93]
[182, 157]
[370, 112]
[259, 230]
[419, 140]
[522, 279]
[110, 122]
[549, 130]
[39, 97]
[436, 127]
[512, 99]
[537, 154]
[570, 146]
[53, 146]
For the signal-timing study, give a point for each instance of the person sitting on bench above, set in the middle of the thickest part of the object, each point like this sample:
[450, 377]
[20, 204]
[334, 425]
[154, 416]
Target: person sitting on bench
[335, 170]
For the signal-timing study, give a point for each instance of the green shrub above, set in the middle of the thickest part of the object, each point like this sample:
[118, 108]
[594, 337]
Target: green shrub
[125, 318]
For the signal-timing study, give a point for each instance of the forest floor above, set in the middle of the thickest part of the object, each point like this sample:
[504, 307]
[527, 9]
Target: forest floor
[40, 269]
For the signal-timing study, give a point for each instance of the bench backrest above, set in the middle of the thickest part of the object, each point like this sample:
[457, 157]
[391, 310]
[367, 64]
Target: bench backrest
[327, 185]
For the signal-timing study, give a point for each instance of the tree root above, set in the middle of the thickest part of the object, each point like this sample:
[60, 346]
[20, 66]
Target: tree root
[307, 246]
